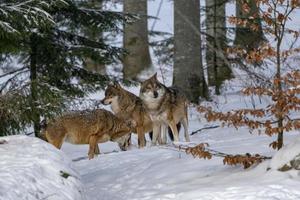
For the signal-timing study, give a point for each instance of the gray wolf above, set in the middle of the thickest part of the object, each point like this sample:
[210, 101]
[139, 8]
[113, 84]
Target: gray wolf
[87, 127]
[128, 106]
[167, 106]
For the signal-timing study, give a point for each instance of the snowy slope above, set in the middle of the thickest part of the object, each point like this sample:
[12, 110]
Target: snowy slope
[163, 173]
[32, 169]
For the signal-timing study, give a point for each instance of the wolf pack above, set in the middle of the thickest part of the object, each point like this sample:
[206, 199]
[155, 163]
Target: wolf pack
[157, 110]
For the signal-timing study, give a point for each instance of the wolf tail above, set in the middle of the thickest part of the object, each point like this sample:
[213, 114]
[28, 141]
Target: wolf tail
[43, 126]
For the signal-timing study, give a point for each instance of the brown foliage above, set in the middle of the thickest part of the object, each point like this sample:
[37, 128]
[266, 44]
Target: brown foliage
[284, 102]
[199, 151]
[202, 151]
[246, 160]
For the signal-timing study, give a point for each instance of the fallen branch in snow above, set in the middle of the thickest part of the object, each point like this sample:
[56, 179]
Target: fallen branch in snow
[3, 142]
[202, 151]
[204, 128]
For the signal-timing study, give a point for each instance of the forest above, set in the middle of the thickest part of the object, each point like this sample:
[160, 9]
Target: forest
[108, 99]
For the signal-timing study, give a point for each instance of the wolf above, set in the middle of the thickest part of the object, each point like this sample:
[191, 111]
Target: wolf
[167, 106]
[86, 127]
[128, 106]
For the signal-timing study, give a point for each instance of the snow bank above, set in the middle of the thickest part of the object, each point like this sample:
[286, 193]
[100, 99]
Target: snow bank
[33, 169]
[286, 154]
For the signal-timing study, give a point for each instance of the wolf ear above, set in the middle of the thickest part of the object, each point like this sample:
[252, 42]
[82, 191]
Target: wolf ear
[116, 85]
[154, 76]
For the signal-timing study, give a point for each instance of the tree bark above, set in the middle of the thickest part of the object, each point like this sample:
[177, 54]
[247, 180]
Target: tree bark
[188, 72]
[33, 86]
[218, 67]
[135, 40]
[245, 36]
[95, 34]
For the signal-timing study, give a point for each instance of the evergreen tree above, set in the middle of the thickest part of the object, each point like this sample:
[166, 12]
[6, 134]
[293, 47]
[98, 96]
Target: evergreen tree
[51, 55]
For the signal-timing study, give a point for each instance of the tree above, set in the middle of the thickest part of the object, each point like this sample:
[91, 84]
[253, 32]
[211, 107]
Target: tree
[188, 72]
[277, 117]
[135, 40]
[17, 17]
[218, 67]
[284, 94]
[249, 33]
[94, 33]
[51, 73]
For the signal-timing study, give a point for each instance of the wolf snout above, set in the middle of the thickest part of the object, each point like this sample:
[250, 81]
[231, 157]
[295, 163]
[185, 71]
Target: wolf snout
[155, 94]
[104, 102]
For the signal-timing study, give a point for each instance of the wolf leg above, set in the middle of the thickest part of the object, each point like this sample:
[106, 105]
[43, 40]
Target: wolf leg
[173, 127]
[186, 131]
[58, 143]
[164, 134]
[97, 151]
[170, 133]
[92, 143]
[141, 138]
[156, 133]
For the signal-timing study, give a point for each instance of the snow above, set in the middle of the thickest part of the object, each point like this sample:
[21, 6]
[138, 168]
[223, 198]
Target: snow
[31, 169]
[162, 172]
[286, 154]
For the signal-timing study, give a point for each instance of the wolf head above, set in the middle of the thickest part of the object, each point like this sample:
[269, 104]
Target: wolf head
[126, 127]
[152, 88]
[112, 93]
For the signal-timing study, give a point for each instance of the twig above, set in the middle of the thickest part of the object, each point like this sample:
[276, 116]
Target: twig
[182, 148]
[201, 129]
[3, 142]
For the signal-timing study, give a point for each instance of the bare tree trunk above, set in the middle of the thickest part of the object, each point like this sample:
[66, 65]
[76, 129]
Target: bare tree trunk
[94, 66]
[245, 36]
[218, 68]
[95, 34]
[135, 40]
[33, 86]
[188, 68]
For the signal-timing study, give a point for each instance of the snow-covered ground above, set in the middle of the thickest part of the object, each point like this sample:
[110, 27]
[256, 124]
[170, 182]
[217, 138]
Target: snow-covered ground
[32, 169]
[161, 172]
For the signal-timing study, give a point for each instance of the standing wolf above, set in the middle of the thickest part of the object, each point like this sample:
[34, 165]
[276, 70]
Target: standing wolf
[166, 106]
[128, 106]
[87, 127]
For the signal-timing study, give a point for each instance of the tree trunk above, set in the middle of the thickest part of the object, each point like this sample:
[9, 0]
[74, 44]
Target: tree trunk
[135, 40]
[188, 68]
[33, 85]
[93, 66]
[218, 67]
[245, 36]
[95, 34]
